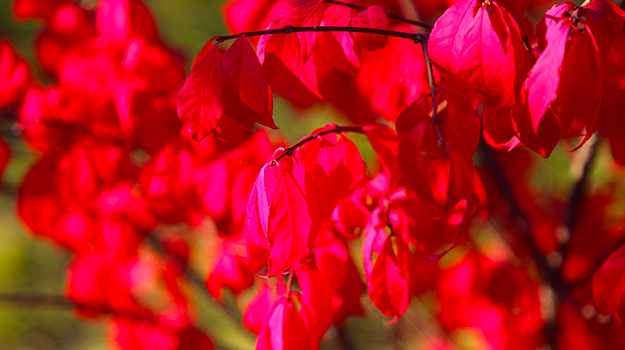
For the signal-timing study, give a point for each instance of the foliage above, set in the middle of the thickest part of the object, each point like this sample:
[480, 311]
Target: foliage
[135, 160]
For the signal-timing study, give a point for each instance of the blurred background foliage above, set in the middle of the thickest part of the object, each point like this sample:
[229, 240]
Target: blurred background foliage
[30, 265]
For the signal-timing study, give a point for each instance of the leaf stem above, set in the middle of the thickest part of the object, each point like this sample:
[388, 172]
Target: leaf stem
[291, 29]
[528, 46]
[289, 284]
[428, 65]
[576, 198]
[389, 15]
[337, 129]
[578, 191]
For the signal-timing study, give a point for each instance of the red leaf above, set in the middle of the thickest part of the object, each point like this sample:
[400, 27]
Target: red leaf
[24, 9]
[385, 143]
[38, 202]
[375, 236]
[232, 270]
[443, 179]
[119, 20]
[336, 165]
[211, 185]
[609, 285]
[553, 103]
[605, 22]
[348, 299]
[391, 285]
[481, 45]
[5, 155]
[538, 129]
[338, 48]
[257, 310]
[279, 55]
[285, 327]
[14, 74]
[317, 296]
[373, 17]
[494, 60]
[279, 201]
[308, 14]
[393, 77]
[246, 96]
[446, 40]
[200, 101]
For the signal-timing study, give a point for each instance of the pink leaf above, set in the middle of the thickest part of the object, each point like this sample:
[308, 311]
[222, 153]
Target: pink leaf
[246, 97]
[282, 206]
[373, 17]
[200, 101]
[609, 285]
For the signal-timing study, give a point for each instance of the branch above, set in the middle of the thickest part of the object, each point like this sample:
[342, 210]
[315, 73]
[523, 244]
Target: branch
[291, 29]
[337, 129]
[395, 17]
[428, 65]
[578, 192]
[344, 340]
[223, 323]
[528, 46]
[550, 275]
[35, 300]
[492, 162]
[29, 299]
[193, 275]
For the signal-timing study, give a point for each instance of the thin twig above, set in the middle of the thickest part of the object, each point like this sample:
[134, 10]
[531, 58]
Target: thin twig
[291, 29]
[193, 275]
[195, 278]
[428, 65]
[30, 299]
[344, 339]
[528, 46]
[337, 129]
[36, 299]
[389, 15]
[289, 284]
[550, 275]
[578, 192]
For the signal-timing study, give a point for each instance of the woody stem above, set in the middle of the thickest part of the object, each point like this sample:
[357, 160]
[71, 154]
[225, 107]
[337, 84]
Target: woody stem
[428, 65]
[337, 129]
[289, 284]
[291, 29]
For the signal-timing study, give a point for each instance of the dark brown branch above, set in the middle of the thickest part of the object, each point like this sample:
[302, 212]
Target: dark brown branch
[344, 339]
[195, 278]
[550, 275]
[576, 201]
[433, 92]
[30, 299]
[395, 17]
[8, 189]
[36, 300]
[492, 162]
[578, 192]
[337, 129]
[291, 29]
[528, 46]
